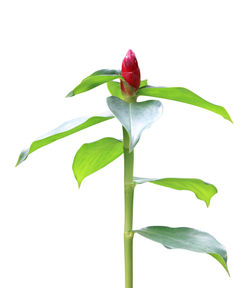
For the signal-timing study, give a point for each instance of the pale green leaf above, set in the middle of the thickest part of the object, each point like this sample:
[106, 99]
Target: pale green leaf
[182, 95]
[97, 78]
[203, 191]
[91, 157]
[66, 129]
[186, 238]
[135, 117]
[115, 89]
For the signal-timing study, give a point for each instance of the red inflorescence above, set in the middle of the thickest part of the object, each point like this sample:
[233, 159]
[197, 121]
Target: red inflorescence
[131, 74]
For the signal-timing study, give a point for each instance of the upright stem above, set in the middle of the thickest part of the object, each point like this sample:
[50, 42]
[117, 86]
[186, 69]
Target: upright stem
[129, 198]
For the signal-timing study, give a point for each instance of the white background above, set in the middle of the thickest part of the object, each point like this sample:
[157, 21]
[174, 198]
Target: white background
[54, 235]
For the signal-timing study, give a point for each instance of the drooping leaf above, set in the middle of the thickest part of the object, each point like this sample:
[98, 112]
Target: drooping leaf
[66, 129]
[91, 157]
[115, 88]
[135, 117]
[186, 238]
[182, 95]
[97, 78]
[203, 191]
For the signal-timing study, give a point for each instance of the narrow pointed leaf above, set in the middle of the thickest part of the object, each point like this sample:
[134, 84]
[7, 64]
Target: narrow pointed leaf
[203, 191]
[183, 95]
[135, 117]
[66, 129]
[91, 157]
[94, 80]
[115, 88]
[186, 238]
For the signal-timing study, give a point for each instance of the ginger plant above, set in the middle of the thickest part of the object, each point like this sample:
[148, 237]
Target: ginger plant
[135, 117]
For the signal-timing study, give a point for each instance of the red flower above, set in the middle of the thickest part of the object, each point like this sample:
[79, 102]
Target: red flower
[131, 74]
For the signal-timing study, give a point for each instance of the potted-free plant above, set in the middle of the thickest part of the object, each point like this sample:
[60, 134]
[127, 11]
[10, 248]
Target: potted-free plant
[134, 117]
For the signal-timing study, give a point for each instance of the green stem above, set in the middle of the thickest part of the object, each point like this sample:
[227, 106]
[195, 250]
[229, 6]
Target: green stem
[129, 198]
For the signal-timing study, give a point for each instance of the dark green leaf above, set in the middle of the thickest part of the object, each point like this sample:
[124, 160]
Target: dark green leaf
[203, 191]
[186, 238]
[91, 157]
[62, 131]
[115, 88]
[135, 117]
[182, 95]
[94, 80]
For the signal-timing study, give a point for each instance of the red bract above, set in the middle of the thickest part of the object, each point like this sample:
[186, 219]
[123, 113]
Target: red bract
[131, 74]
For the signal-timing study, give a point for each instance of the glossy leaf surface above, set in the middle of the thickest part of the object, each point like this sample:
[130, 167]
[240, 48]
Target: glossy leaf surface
[186, 238]
[94, 80]
[66, 129]
[182, 95]
[91, 157]
[115, 88]
[203, 191]
[135, 117]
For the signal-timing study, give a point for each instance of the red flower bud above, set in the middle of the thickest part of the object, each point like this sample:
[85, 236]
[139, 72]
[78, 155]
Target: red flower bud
[131, 74]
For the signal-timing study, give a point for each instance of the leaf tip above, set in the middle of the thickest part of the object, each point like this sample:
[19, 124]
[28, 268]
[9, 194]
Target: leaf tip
[23, 155]
[229, 119]
[226, 115]
[18, 161]
[70, 94]
[79, 182]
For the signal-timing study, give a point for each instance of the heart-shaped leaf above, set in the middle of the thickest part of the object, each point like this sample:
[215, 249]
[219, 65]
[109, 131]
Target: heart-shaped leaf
[66, 129]
[115, 88]
[94, 80]
[203, 191]
[135, 117]
[182, 95]
[91, 157]
[186, 238]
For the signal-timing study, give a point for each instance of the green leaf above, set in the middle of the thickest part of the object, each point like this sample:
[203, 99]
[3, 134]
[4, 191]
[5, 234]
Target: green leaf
[182, 95]
[203, 191]
[91, 157]
[143, 83]
[115, 88]
[94, 80]
[66, 129]
[135, 117]
[186, 238]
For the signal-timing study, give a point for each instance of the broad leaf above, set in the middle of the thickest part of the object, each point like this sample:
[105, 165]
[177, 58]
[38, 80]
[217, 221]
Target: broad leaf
[91, 157]
[183, 95]
[115, 88]
[66, 129]
[203, 191]
[186, 238]
[94, 80]
[135, 117]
